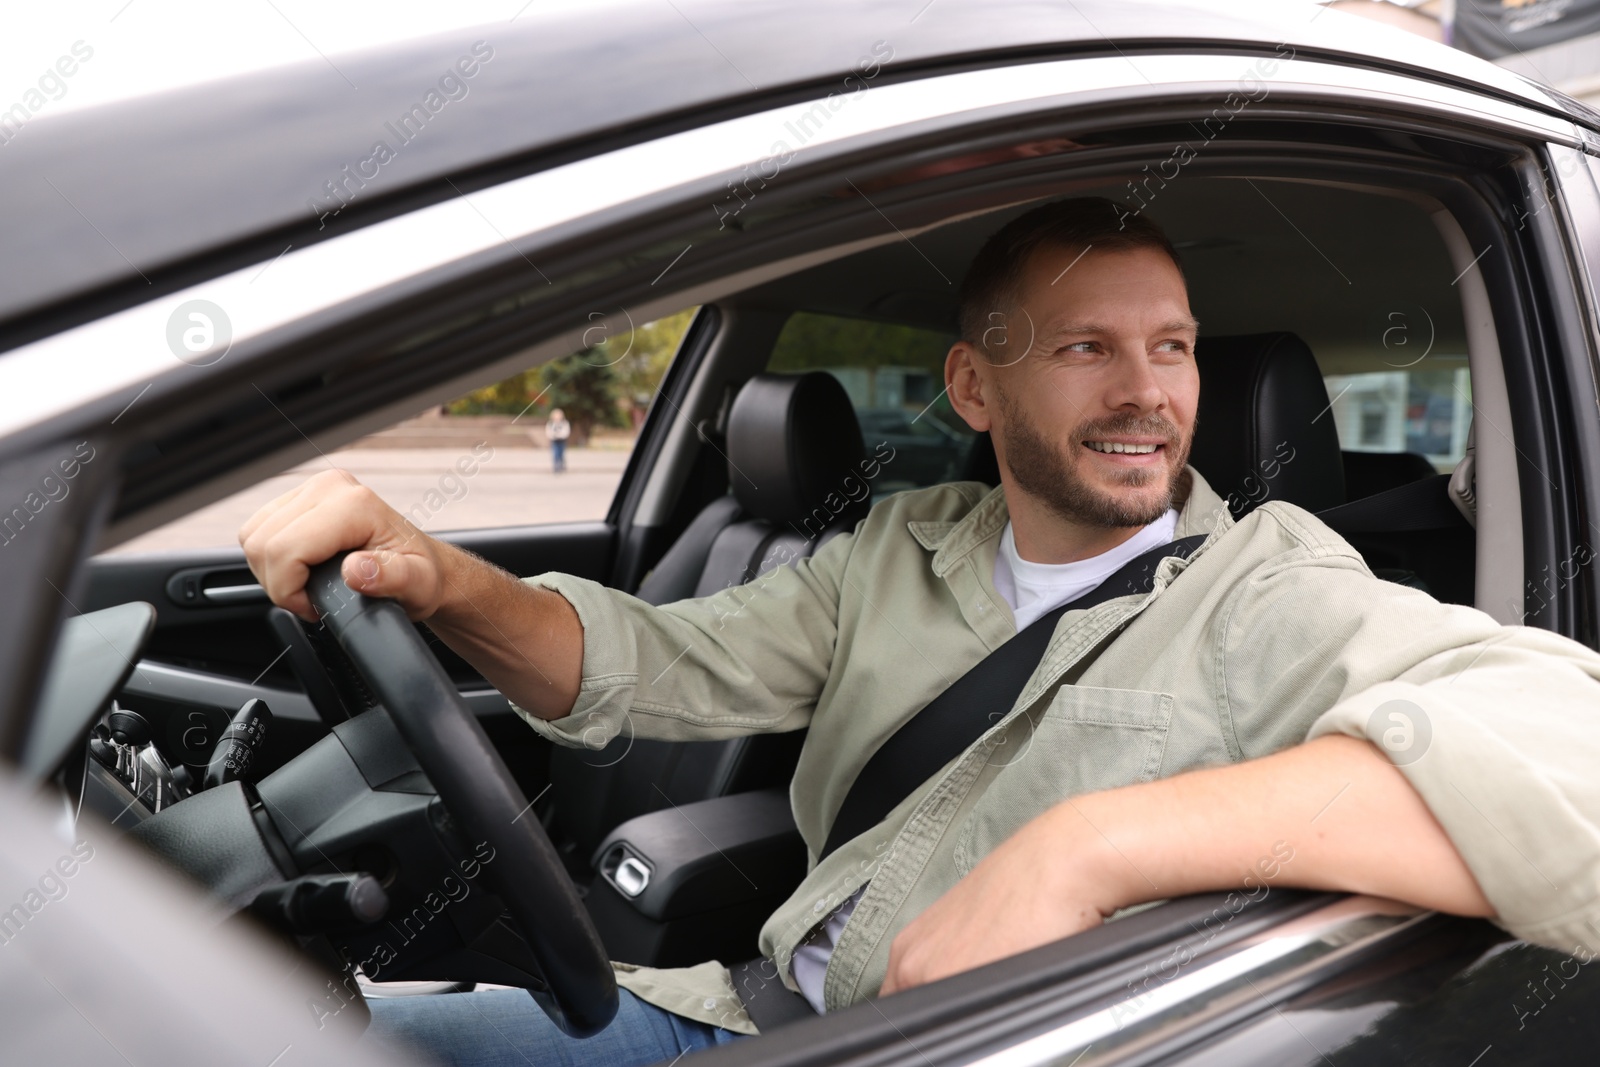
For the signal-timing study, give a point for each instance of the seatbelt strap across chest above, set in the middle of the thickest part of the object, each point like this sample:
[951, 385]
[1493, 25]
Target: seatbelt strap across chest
[933, 737]
[957, 717]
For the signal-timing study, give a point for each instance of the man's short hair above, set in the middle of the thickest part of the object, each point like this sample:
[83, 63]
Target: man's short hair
[995, 275]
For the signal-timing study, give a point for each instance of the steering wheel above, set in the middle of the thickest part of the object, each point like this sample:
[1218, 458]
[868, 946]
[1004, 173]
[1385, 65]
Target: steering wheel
[478, 790]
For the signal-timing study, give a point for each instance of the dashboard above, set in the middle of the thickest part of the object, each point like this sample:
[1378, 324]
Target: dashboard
[129, 736]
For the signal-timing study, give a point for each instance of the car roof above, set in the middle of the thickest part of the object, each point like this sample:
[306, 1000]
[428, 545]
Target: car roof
[116, 204]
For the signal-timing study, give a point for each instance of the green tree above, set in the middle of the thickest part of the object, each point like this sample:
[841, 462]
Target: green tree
[509, 397]
[643, 355]
[585, 387]
[598, 386]
[811, 341]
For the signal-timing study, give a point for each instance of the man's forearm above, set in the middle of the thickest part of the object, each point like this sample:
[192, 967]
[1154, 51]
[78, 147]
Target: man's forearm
[1352, 820]
[526, 641]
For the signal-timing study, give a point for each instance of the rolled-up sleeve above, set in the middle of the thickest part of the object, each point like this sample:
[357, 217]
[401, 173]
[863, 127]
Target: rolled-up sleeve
[1496, 727]
[1512, 724]
[750, 658]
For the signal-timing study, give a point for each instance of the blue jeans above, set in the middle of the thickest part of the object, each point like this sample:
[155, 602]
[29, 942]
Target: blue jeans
[505, 1028]
[558, 454]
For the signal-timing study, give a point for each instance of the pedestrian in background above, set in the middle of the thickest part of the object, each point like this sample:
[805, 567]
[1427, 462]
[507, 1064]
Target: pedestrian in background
[557, 430]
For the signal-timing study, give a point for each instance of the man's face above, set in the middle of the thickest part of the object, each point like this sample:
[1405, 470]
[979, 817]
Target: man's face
[1096, 417]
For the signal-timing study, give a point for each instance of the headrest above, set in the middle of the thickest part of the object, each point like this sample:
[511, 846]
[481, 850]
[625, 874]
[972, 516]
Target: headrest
[1266, 430]
[793, 442]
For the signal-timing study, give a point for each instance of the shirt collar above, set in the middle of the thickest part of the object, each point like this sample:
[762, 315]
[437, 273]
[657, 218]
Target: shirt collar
[1203, 512]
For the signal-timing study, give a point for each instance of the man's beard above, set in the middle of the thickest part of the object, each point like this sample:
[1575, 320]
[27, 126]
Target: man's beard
[1041, 469]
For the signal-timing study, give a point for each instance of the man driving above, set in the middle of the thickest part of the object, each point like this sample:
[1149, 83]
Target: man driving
[1166, 742]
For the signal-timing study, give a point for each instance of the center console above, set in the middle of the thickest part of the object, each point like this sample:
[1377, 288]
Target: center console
[694, 882]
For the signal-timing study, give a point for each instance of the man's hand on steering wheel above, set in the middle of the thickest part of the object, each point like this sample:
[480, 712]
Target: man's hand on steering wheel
[332, 512]
[369, 600]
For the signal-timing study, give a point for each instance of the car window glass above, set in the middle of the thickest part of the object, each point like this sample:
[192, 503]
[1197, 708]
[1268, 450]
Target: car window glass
[1426, 412]
[895, 378]
[486, 459]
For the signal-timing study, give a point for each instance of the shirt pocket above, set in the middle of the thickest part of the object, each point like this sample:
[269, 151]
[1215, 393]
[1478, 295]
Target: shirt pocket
[1086, 740]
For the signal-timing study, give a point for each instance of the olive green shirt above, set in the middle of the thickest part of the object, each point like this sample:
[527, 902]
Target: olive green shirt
[1273, 632]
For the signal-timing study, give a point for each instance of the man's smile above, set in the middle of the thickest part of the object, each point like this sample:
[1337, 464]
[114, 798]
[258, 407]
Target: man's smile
[1129, 451]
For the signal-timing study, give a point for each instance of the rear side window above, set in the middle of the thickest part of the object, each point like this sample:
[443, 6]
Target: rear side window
[895, 378]
[1424, 410]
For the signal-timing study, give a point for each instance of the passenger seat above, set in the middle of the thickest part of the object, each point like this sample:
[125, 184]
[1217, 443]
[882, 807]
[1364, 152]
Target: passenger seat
[1370, 473]
[793, 446]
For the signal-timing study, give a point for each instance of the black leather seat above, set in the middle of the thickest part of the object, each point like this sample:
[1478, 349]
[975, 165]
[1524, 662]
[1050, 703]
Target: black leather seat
[1264, 430]
[1371, 473]
[794, 450]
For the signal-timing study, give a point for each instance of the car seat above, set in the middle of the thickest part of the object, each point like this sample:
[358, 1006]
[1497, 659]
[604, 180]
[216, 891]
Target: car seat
[794, 452]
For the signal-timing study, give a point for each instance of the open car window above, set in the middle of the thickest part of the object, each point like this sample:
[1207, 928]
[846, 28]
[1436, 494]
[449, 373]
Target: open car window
[486, 459]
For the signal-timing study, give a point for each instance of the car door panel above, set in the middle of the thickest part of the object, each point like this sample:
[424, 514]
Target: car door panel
[208, 656]
[226, 634]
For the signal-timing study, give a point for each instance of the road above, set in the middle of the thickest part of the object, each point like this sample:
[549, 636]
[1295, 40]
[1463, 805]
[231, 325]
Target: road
[514, 486]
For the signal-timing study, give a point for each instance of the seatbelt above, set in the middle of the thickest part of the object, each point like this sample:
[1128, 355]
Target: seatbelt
[1422, 505]
[933, 737]
[769, 1003]
[957, 717]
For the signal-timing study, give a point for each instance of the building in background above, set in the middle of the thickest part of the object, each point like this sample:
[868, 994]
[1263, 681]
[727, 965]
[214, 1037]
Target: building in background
[1425, 412]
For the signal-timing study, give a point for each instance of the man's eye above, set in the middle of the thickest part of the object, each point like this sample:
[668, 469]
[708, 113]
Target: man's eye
[1080, 346]
[1171, 346]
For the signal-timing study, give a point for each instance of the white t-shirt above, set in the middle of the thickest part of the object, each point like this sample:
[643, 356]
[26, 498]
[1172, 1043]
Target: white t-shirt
[1032, 590]
[1035, 589]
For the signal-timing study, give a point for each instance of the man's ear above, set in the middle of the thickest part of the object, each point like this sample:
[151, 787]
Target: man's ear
[964, 366]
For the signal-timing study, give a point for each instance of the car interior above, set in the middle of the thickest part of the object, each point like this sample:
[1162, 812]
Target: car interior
[1337, 374]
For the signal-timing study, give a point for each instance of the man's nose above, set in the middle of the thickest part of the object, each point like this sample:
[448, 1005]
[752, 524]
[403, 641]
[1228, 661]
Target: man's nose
[1134, 384]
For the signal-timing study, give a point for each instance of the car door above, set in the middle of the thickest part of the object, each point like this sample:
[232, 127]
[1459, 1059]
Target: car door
[796, 221]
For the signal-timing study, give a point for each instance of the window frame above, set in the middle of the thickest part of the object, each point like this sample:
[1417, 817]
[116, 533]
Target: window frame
[481, 318]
